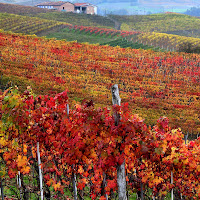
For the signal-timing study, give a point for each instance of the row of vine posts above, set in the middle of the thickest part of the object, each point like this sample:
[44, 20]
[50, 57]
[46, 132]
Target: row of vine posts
[121, 175]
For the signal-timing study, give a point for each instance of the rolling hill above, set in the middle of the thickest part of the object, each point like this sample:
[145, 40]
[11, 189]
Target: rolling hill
[154, 83]
[57, 113]
[172, 23]
[28, 25]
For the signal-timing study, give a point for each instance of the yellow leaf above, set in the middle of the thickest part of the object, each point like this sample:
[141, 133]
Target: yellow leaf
[56, 186]
[49, 182]
[21, 161]
[33, 153]
[93, 153]
[185, 161]
[80, 170]
[164, 193]
[3, 141]
[157, 180]
[25, 149]
[25, 170]
[144, 179]
[198, 168]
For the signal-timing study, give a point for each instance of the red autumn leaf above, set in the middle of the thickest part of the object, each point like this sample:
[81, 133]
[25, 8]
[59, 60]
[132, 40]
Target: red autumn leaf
[111, 184]
[81, 185]
[120, 160]
[12, 173]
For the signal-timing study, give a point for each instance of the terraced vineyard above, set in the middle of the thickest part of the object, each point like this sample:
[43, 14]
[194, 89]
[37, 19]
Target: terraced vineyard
[81, 151]
[154, 83]
[73, 35]
[104, 35]
[27, 25]
[133, 39]
[168, 41]
[124, 43]
[101, 36]
[52, 28]
[165, 23]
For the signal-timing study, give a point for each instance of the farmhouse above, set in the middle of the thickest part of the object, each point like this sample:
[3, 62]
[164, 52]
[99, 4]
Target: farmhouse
[86, 8]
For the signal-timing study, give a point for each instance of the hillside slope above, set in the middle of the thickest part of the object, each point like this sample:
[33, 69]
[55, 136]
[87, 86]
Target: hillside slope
[154, 83]
[27, 25]
[72, 18]
[21, 10]
[78, 19]
[166, 23]
[43, 26]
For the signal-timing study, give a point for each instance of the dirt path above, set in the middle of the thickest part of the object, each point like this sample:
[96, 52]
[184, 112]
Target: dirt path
[117, 24]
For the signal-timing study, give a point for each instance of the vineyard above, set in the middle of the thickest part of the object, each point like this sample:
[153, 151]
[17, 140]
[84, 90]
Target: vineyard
[154, 83]
[71, 18]
[167, 41]
[100, 29]
[115, 117]
[79, 19]
[165, 23]
[86, 143]
[27, 25]
[102, 36]
[128, 41]
[61, 30]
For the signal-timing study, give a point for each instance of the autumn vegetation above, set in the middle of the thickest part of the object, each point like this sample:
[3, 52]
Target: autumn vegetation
[43, 22]
[87, 142]
[169, 42]
[154, 83]
[27, 25]
[68, 18]
[162, 23]
[57, 93]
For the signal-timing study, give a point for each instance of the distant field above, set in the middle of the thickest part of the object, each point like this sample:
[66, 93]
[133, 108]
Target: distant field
[166, 23]
[168, 41]
[51, 24]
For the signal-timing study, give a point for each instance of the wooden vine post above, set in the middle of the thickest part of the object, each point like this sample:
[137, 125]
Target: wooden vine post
[73, 173]
[121, 176]
[2, 195]
[172, 191]
[20, 184]
[40, 171]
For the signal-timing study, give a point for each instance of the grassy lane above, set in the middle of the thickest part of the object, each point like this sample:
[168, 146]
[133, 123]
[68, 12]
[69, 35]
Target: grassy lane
[79, 37]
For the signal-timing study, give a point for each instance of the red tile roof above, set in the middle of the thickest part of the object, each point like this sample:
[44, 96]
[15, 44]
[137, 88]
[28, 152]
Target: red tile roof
[58, 3]
[82, 4]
